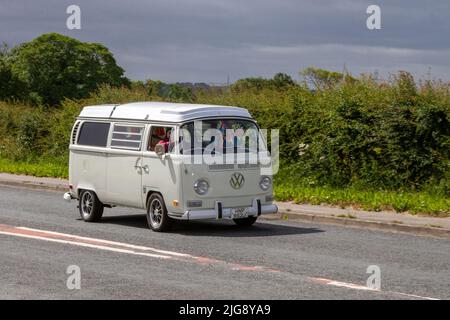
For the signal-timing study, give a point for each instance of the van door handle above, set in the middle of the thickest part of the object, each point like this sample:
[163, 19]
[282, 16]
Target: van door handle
[137, 166]
[146, 168]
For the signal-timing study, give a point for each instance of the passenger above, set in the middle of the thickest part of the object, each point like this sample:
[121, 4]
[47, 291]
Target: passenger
[156, 136]
[166, 140]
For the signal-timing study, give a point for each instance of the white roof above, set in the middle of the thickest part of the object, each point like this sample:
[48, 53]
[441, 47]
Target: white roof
[162, 111]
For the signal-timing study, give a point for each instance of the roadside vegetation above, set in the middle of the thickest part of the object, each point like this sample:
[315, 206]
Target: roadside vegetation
[362, 198]
[344, 140]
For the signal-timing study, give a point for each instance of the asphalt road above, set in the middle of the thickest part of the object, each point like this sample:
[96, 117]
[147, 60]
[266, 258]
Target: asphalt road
[204, 260]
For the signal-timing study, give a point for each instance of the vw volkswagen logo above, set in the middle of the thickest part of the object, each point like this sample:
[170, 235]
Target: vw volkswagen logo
[237, 180]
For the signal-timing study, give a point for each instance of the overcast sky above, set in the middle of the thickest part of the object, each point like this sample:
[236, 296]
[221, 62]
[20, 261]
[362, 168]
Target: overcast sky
[207, 40]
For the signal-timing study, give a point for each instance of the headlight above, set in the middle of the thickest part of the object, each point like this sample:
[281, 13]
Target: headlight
[265, 183]
[201, 186]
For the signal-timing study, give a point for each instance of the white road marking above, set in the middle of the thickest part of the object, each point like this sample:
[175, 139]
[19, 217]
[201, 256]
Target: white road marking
[365, 288]
[121, 247]
[115, 243]
[88, 245]
[343, 284]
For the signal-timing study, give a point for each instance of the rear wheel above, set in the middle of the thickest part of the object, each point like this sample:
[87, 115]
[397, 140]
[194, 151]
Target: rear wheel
[157, 217]
[245, 222]
[91, 209]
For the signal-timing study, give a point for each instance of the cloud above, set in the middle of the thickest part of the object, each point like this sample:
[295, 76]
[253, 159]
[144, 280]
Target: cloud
[206, 40]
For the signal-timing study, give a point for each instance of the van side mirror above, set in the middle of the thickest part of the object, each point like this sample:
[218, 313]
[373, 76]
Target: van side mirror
[160, 150]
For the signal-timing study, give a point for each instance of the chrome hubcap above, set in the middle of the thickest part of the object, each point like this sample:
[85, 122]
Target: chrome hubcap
[87, 204]
[156, 212]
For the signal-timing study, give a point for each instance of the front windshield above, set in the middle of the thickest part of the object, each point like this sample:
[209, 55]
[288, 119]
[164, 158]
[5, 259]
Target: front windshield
[220, 136]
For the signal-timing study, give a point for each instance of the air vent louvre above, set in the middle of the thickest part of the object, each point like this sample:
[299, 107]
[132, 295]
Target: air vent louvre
[74, 132]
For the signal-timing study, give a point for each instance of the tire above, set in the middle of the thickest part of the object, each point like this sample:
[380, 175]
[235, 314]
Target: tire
[245, 222]
[91, 209]
[157, 218]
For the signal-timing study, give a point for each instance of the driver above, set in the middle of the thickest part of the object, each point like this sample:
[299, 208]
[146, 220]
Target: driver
[166, 140]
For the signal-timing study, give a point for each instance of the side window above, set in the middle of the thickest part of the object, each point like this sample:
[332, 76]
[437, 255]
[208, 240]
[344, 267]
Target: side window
[127, 137]
[161, 135]
[94, 134]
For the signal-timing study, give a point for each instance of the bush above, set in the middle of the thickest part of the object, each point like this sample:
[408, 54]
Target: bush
[31, 132]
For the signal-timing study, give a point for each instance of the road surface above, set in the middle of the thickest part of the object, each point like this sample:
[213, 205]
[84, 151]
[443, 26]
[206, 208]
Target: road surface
[41, 236]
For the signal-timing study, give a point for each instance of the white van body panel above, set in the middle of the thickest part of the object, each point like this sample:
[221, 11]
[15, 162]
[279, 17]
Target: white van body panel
[164, 176]
[88, 169]
[128, 177]
[103, 111]
[124, 178]
[162, 111]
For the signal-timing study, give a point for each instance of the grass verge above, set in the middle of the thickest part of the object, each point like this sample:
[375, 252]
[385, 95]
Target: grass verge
[371, 200]
[38, 168]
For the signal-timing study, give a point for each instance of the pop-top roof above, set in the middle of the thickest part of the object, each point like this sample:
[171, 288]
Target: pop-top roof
[161, 111]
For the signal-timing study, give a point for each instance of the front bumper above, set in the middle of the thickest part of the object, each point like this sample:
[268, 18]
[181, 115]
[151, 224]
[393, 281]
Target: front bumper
[68, 196]
[225, 213]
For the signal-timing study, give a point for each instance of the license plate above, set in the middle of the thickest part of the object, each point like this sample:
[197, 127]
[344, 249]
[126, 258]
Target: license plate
[239, 213]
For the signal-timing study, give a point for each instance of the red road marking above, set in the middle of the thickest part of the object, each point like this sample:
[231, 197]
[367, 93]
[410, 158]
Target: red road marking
[165, 254]
[122, 247]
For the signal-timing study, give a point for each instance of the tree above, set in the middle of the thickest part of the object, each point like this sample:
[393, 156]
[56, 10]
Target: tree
[282, 80]
[279, 81]
[177, 92]
[180, 92]
[54, 67]
[322, 79]
[10, 86]
[251, 83]
[155, 87]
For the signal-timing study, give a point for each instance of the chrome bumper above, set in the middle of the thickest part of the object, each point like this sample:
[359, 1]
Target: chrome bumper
[225, 213]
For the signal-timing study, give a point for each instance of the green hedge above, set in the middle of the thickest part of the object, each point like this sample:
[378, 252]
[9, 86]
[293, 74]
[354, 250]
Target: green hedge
[359, 133]
[391, 135]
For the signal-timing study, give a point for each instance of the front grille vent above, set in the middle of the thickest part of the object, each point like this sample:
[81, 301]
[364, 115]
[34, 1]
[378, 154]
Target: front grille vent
[248, 166]
[219, 167]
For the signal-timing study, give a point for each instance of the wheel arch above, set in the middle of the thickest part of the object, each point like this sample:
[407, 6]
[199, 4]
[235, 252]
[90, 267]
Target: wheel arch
[81, 189]
[150, 193]
[84, 186]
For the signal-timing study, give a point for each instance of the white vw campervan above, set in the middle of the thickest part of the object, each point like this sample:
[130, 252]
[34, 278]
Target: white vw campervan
[149, 155]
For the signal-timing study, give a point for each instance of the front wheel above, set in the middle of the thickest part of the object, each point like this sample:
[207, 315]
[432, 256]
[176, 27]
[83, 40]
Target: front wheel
[91, 209]
[157, 217]
[245, 222]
